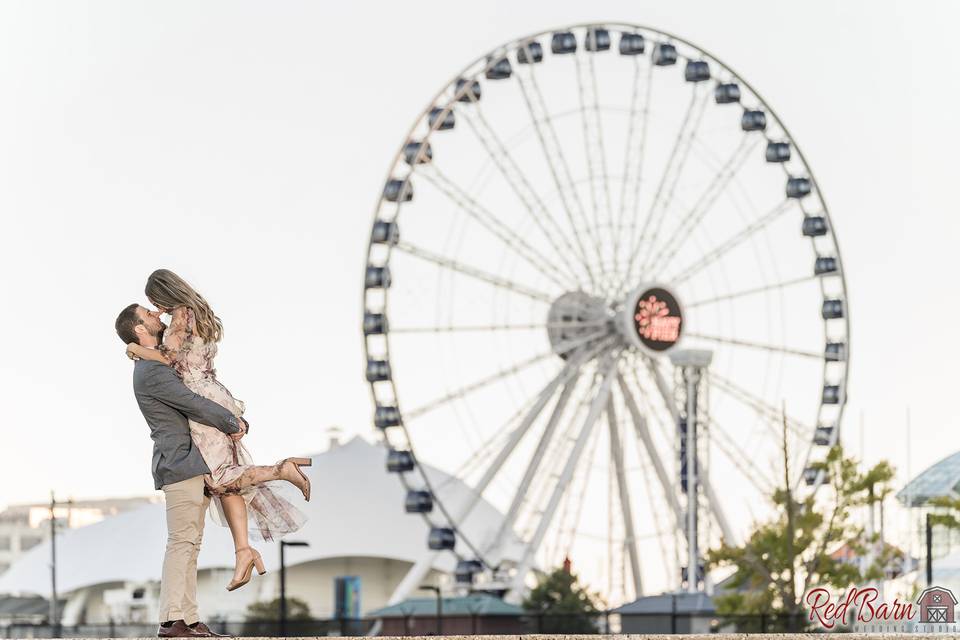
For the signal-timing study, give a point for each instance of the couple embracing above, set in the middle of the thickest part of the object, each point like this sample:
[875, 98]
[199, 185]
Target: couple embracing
[199, 459]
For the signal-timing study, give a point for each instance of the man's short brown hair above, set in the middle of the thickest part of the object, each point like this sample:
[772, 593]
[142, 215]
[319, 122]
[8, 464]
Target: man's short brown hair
[126, 321]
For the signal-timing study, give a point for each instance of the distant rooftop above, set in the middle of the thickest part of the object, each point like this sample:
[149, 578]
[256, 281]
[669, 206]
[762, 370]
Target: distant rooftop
[941, 479]
[681, 602]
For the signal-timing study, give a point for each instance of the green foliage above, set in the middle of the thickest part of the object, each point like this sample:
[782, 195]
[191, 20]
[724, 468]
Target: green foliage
[269, 611]
[948, 520]
[563, 605]
[786, 556]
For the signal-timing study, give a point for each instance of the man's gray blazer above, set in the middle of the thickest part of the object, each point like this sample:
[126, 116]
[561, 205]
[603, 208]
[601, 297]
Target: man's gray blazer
[166, 403]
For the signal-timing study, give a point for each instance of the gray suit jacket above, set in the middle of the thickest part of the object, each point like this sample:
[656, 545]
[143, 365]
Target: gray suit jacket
[166, 403]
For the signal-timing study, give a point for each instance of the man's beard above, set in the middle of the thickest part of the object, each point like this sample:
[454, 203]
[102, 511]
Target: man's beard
[159, 334]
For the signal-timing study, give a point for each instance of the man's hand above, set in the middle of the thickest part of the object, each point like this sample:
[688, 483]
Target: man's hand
[244, 425]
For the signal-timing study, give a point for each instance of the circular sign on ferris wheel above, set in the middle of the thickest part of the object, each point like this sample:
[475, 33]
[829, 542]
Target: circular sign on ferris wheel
[653, 319]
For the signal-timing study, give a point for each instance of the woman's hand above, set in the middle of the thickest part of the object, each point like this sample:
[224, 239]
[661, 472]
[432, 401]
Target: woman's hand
[131, 351]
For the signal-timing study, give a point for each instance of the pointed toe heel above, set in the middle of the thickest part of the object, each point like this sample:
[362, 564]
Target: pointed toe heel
[300, 480]
[243, 571]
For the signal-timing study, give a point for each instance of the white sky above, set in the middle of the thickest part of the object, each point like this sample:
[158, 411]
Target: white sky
[244, 145]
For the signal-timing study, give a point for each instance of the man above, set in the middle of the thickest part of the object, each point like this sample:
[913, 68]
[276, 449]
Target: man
[178, 469]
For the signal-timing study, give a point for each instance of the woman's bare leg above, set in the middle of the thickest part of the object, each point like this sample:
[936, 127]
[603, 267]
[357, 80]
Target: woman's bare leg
[287, 469]
[235, 510]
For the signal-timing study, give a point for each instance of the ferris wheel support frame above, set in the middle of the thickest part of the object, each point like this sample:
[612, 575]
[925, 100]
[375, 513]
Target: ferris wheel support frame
[607, 368]
[616, 452]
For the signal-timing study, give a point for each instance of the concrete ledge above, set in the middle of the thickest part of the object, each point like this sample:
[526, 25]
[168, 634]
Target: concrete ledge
[629, 636]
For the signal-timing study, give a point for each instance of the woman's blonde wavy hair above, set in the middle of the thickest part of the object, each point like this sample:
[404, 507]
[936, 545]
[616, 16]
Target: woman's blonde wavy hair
[167, 289]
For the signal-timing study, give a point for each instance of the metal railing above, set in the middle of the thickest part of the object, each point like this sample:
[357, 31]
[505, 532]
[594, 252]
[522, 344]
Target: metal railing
[602, 622]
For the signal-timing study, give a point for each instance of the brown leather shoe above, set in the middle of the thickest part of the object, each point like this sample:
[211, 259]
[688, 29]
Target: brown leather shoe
[200, 626]
[179, 629]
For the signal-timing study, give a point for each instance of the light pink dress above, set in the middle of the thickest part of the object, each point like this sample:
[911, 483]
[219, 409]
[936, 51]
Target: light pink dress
[270, 514]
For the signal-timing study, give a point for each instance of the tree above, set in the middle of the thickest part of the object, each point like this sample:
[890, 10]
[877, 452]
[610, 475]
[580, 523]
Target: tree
[793, 552]
[562, 605]
[269, 611]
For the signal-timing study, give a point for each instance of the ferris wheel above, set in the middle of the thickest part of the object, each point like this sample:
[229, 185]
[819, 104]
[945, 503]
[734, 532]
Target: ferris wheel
[599, 273]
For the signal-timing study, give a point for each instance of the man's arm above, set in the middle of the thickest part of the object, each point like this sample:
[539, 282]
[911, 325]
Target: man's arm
[162, 383]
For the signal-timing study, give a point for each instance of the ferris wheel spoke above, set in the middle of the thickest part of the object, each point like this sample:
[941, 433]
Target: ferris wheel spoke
[575, 495]
[488, 221]
[518, 181]
[473, 272]
[633, 167]
[626, 503]
[555, 157]
[562, 348]
[715, 254]
[663, 196]
[770, 415]
[569, 371]
[482, 452]
[704, 203]
[757, 345]
[662, 387]
[660, 530]
[748, 292]
[594, 149]
[607, 369]
[497, 327]
[642, 431]
[522, 491]
[744, 462]
[474, 386]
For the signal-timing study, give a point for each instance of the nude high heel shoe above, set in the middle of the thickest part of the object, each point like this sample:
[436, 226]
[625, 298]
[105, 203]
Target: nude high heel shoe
[296, 477]
[243, 570]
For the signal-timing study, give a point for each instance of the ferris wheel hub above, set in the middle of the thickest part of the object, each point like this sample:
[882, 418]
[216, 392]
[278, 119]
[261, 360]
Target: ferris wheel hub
[577, 320]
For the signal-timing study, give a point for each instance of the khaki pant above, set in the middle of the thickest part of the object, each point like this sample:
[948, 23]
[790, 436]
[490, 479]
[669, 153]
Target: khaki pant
[186, 506]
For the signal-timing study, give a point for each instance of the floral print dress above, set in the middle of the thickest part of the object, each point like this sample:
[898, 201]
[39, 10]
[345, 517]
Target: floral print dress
[270, 514]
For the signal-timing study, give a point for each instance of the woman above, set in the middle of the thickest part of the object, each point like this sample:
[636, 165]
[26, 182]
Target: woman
[241, 493]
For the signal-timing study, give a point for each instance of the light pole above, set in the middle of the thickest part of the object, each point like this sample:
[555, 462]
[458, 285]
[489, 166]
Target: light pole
[54, 614]
[428, 587]
[283, 583]
[54, 605]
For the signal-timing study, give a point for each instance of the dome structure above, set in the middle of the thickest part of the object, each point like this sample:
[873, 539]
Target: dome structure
[941, 479]
[356, 525]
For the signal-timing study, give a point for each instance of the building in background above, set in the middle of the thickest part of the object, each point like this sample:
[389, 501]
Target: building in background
[473, 614]
[356, 527]
[940, 480]
[24, 526]
[678, 612]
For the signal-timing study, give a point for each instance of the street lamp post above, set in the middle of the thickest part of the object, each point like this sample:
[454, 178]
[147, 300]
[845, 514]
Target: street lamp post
[54, 604]
[283, 583]
[428, 587]
[54, 614]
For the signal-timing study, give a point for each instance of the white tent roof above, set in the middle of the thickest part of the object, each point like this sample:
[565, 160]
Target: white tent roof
[355, 509]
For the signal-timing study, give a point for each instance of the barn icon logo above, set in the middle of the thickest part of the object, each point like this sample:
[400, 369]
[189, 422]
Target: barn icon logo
[937, 605]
